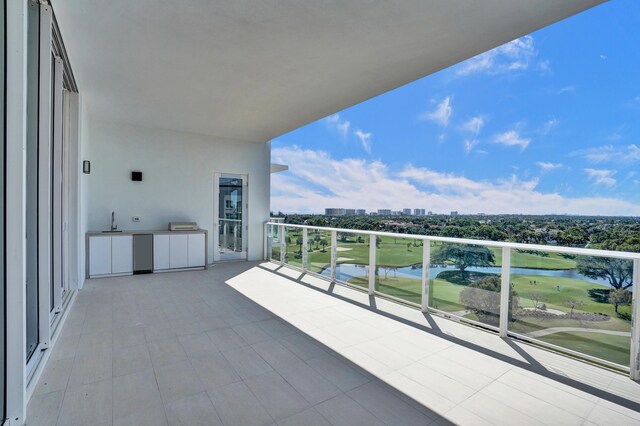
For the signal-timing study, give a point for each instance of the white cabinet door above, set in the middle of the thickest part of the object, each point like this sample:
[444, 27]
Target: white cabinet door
[122, 254]
[99, 255]
[161, 252]
[178, 251]
[196, 250]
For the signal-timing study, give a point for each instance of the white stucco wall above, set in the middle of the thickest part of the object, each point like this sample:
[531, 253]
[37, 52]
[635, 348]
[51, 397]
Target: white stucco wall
[178, 178]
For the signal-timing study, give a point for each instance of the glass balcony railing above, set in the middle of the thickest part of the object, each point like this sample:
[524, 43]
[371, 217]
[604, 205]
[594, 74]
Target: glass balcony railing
[583, 307]
[577, 301]
[398, 271]
[352, 259]
[319, 252]
[466, 281]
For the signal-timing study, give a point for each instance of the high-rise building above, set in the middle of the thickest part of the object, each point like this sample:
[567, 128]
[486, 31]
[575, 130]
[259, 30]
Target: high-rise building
[454, 213]
[406, 212]
[384, 212]
[361, 212]
[349, 211]
[334, 212]
[419, 212]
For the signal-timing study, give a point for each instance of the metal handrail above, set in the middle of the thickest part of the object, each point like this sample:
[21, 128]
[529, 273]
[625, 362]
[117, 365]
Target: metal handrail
[488, 243]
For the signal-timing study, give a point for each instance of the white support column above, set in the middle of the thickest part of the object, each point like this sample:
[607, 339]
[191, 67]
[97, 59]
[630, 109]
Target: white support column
[305, 250]
[426, 263]
[505, 290]
[635, 323]
[16, 95]
[283, 245]
[372, 264]
[44, 177]
[334, 246]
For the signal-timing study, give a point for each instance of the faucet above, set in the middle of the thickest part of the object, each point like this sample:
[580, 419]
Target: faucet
[114, 227]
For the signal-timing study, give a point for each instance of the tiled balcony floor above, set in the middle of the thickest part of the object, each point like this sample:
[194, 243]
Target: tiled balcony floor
[255, 344]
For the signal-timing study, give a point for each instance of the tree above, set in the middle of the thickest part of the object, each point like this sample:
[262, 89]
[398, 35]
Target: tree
[537, 299]
[483, 297]
[386, 270]
[299, 242]
[617, 271]
[323, 243]
[619, 297]
[463, 256]
[572, 303]
[316, 239]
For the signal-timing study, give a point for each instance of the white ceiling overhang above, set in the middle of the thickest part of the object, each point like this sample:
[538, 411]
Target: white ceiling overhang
[255, 69]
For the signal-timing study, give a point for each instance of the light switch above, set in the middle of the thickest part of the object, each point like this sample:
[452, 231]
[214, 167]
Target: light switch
[135, 219]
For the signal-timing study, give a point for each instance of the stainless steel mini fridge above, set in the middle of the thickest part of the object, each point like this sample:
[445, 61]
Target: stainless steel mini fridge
[142, 253]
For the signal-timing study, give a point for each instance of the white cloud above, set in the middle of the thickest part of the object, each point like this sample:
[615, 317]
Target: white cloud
[469, 144]
[566, 89]
[342, 126]
[442, 113]
[609, 153]
[549, 125]
[513, 56]
[546, 166]
[315, 180]
[365, 139]
[545, 67]
[512, 138]
[474, 125]
[601, 176]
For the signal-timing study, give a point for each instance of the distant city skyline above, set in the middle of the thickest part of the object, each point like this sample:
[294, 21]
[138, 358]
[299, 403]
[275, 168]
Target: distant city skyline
[339, 211]
[548, 123]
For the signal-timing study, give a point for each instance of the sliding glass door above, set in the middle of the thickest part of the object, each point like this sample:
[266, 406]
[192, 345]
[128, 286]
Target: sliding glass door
[230, 216]
[3, 135]
[32, 205]
[57, 225]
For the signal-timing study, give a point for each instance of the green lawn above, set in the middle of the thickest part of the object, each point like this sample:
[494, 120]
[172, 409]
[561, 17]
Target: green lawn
[402, 251]
[408, 289]
[612, 348]
[570, 289]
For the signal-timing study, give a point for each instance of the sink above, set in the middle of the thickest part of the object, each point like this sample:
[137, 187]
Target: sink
[111, 232]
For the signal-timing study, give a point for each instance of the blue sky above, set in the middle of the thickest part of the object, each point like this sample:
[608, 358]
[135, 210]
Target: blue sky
[548, 123]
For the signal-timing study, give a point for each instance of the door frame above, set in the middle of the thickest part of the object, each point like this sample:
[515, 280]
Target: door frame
[217, 254]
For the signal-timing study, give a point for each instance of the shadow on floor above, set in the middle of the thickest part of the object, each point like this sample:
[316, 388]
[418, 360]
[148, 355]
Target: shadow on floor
[531, 364]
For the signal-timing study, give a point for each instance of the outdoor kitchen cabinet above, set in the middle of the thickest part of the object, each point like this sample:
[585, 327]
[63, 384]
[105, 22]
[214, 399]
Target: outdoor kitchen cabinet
[112, 255]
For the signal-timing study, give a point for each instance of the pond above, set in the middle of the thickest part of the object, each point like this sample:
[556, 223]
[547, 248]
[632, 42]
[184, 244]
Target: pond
[346, 271]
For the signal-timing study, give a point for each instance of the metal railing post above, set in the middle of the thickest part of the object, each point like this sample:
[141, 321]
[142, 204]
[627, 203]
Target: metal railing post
[265, 250]
[634, 365]
[372, 264]
[426, 264]
[334, 246]
[283, 245]
[305, 251]
[505, 291]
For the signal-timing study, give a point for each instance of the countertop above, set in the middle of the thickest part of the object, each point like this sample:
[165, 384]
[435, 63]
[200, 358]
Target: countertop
[144, 231]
